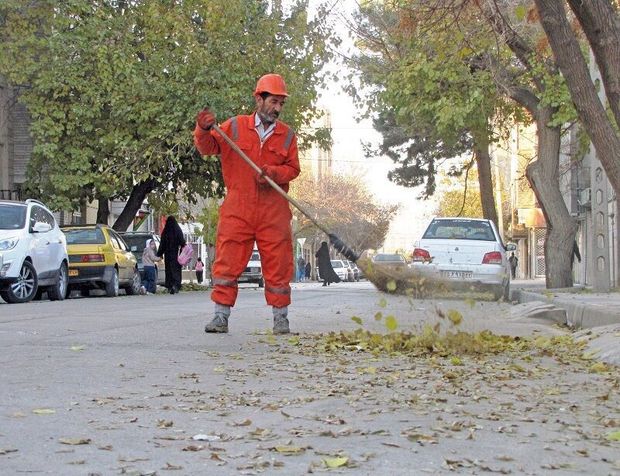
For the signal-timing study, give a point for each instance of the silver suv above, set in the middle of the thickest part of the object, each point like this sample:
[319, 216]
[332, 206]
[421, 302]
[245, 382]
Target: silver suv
[33, 252]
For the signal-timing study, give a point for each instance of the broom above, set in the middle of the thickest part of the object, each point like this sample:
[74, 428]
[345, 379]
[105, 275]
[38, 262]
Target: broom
[401, 281]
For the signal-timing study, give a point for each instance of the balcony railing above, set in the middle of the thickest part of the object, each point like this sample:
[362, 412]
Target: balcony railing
[10, 195]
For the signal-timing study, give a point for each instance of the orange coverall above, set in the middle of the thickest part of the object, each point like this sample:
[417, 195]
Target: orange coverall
[252, 211]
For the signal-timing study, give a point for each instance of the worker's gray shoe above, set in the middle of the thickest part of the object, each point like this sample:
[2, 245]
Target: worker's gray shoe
[219, 324]
[280, 320]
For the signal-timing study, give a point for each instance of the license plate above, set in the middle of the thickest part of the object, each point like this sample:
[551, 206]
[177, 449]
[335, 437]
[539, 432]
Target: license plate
[457, 274]
[74, 272]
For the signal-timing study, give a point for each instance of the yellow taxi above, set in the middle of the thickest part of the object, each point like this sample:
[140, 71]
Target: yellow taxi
[99, 258]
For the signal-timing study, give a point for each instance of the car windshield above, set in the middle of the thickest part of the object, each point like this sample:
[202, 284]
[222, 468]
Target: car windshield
[137, 241]
[459, 230]
[389, 257]
[12, 216]
[337, 264]
[88, 236]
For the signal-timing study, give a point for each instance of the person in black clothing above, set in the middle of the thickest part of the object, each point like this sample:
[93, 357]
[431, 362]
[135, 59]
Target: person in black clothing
[575, 254]
[172, 240]
[513, 261]
[308, 270]
[326, 272]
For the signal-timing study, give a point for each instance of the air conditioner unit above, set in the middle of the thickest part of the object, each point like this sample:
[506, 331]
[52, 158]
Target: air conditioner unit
[585, 197]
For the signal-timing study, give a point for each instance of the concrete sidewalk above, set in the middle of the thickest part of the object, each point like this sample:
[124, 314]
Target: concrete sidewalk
[596, 316]
[584, 308]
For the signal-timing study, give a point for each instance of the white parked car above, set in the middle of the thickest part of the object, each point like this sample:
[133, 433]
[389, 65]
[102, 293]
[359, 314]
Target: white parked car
[466, 253]
[253, 272]
[341, 269]
[33, 252]
[350, 270]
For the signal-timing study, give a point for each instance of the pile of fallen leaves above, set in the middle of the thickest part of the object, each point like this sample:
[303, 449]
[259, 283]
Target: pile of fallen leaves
[430, 341]
[193, 287]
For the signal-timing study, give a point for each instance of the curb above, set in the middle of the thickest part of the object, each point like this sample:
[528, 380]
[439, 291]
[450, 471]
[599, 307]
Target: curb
[578, 314]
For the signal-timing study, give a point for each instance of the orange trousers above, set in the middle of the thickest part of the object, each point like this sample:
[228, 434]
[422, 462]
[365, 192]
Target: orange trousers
[266, 221]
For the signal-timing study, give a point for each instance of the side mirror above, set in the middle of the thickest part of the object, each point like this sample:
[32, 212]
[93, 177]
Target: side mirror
[511, 247]
[40, 227]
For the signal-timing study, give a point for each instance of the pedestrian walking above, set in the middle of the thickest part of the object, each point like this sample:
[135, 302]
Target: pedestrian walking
[513, 261]
[575, 254]
[326, 272]
[172, 240]
[308, 270]
[199, 268]
[301, 268]
[252, 210]
[149, 260]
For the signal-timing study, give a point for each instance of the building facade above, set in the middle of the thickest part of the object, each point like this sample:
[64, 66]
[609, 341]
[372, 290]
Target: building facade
[15, 142]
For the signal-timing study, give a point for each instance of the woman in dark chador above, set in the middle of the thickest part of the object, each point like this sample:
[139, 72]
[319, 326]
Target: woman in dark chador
[172, 240]
[326, 272]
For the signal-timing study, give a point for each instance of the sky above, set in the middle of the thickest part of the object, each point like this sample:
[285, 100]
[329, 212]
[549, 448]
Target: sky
[348, 135]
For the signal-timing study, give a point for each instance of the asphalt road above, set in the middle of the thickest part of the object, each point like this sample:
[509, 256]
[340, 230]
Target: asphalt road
[132, 385]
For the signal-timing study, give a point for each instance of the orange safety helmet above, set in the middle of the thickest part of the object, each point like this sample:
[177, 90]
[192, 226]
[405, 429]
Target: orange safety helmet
[272, 84]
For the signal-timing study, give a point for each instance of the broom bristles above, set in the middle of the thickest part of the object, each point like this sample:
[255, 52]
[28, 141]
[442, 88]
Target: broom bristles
[400, 279]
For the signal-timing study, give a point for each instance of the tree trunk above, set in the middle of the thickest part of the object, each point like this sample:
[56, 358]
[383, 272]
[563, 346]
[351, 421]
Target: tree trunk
[103, 210]
[134, 202]
[543, 176]
[485, 179]
[573, 66]
[543, 173]
[601, 24]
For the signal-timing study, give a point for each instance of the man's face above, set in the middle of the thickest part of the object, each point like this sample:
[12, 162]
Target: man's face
[269, 109]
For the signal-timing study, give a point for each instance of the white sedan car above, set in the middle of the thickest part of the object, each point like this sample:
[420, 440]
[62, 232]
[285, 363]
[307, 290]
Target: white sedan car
[465, 253]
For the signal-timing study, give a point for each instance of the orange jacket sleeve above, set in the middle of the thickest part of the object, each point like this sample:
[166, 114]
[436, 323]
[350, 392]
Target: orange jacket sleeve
[205, 142]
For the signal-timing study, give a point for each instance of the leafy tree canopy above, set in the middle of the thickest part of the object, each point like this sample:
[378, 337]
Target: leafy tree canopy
[113, 86]
[429, 95]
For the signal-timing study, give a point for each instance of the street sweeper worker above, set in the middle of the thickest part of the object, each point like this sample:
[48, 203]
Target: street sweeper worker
[252, 210]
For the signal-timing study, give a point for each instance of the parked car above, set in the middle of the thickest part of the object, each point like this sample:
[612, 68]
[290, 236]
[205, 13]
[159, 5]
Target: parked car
[350, 271]
[357, 273]
[465, 252]
[253, 272]
[136, 240]
[99, 258]
[341, 269]
[33, 253]
[393, 261]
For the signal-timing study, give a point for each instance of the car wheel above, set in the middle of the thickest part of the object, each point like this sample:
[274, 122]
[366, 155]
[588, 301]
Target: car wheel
[111, 287]
[261, 283]
[58, 291]
[26, 286]
[136, 282]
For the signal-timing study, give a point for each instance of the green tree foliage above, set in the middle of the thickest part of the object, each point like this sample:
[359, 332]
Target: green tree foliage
[209, 218]
[459, 197]
[430, 99]
[113, 86]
